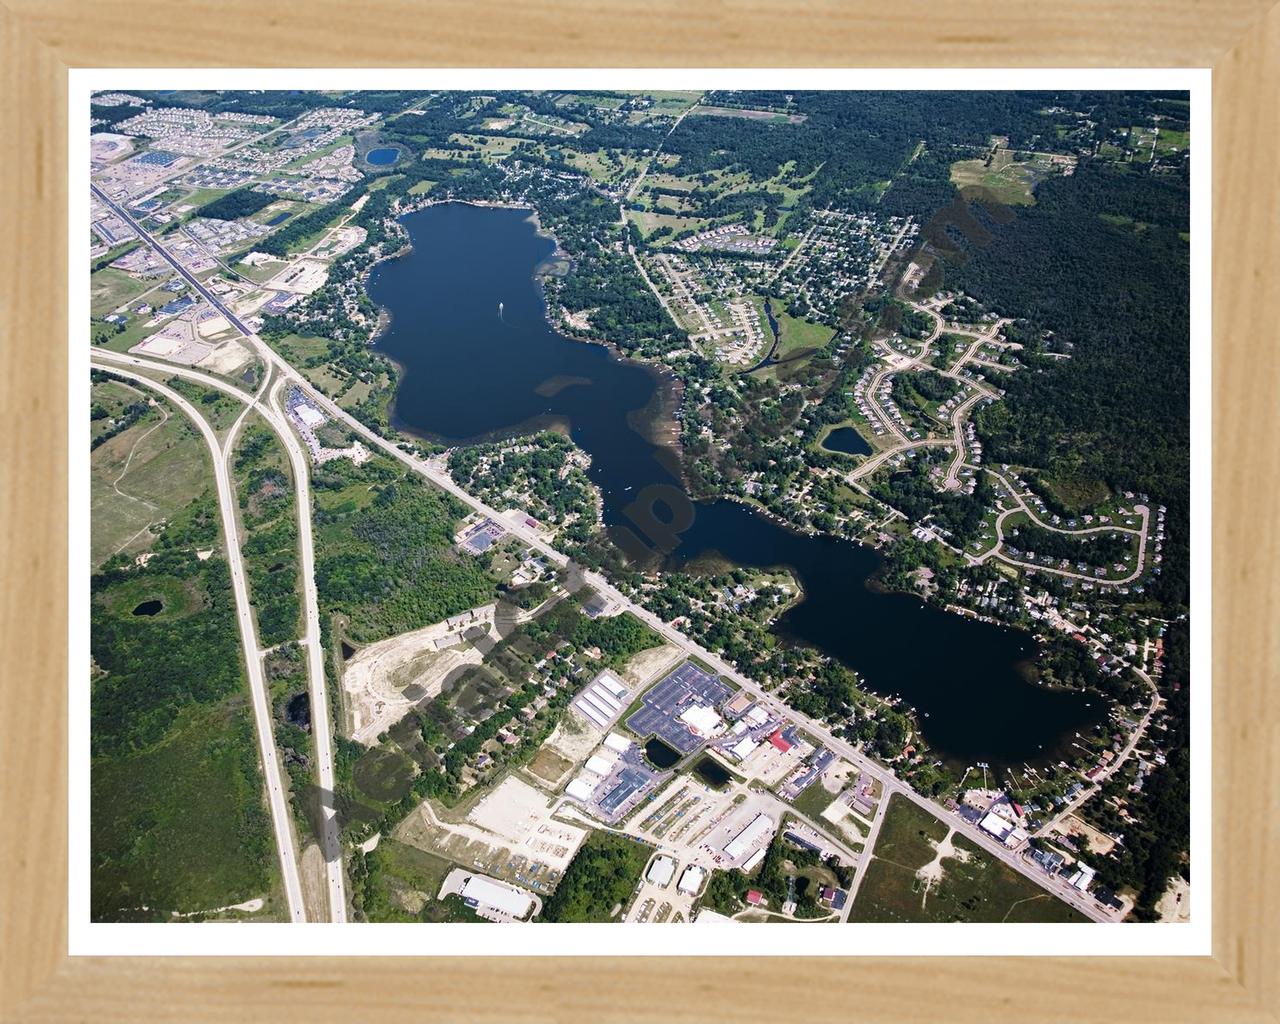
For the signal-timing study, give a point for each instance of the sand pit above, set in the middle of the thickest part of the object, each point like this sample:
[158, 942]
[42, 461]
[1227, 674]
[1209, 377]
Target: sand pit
[213, 325]
[931, 874]
[226, 359]
[574, 739]
[1095, 841]
[384, 680]
[1175, 904]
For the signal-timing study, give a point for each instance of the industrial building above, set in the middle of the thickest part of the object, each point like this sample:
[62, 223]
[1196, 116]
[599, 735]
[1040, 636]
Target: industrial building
[661, 871]
[602, 701]
[691, 881]
[760, 827]
[484, 892]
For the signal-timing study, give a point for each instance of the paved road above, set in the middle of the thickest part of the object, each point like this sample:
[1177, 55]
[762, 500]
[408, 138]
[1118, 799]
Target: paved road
[1022, 506]
[282, 822]
[442, 479]
[952, 481]
[881, 457]
[273, 414]
[864, 861]
[321, 723]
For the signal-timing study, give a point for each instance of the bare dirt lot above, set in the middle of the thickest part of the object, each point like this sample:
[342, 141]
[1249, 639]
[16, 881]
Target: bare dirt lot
[510, 828]
[315, 897]
[647, 664]
[384, 680]
[226, 359]
[550, 767]
[573, 739]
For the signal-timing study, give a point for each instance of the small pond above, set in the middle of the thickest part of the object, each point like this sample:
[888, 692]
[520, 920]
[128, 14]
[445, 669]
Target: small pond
[712, 772]
[149, 608]
[846, 440]
[660, 754]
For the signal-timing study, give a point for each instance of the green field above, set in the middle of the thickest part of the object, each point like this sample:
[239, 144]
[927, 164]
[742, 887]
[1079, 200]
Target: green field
[1170, 140]
[178, 821]
[141, 476]
[974, 887]
[814, 800]
[397, 883]
[110, 289]
[1002, 177]
[797, 335]
[181, 826]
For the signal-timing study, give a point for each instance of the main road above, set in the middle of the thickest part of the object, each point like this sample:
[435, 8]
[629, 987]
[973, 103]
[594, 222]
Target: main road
[439, 476]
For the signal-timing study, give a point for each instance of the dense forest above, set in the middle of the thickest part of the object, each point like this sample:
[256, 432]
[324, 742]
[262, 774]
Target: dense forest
[241, 203]
[1101, 262]
[1096, 549]
[599, 878]
[389, 566]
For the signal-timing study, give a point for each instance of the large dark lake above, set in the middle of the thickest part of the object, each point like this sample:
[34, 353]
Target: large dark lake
[471, 372]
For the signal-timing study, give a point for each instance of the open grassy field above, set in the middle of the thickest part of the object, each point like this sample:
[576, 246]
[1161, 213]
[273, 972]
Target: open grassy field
[600, 166]
[1170, 140]
[491, 145]
[651, 222]
[1008, 180]
[181, 826]
[797, 334]
[110, 288]
[141, 476]
[973, 886]
[814, 800]
[400, 883]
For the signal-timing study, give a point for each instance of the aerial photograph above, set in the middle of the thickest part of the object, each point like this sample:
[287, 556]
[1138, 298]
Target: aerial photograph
[639, 507]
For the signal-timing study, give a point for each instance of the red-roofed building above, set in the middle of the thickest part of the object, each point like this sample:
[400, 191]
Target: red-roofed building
[777, 739]
[754, 897]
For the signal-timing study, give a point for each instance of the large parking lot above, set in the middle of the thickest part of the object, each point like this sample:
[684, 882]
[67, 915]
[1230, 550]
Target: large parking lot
[659, 715]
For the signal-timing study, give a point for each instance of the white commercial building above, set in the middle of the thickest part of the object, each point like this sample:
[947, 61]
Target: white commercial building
[616, 741]
[760, 827]
[611, 683]
[496, 896]
[661, 870]
[600, 764]
[702, 720]
[995, 825]
[579, 789]
[742, 749]
[691, 881]
[309, 416]
[750, 863]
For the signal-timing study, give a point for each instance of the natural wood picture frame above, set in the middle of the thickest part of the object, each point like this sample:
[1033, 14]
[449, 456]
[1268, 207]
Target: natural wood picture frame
[42, 39]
